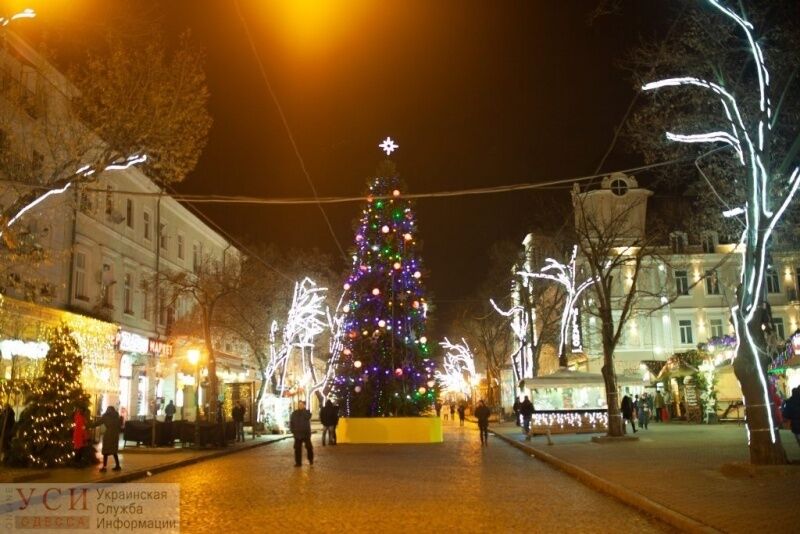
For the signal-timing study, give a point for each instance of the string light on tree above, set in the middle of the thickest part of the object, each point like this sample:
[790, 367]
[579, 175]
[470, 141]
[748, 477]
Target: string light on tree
[768, 195]
[566, 276]
[381, 329]
[459, 368]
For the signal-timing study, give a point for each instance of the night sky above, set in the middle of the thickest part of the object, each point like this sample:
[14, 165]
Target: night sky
[475, 93]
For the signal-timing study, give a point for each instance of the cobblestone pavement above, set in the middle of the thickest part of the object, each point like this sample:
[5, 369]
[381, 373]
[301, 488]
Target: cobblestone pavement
[457, 486]
[679, 466]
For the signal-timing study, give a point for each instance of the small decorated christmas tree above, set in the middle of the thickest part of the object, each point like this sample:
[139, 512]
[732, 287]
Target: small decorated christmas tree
[44, 433]
[384, 366]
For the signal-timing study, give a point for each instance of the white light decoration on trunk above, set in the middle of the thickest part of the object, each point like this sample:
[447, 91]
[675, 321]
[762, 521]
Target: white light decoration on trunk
[28, 13]
[459, 367]
[566, 276]
[760, 219]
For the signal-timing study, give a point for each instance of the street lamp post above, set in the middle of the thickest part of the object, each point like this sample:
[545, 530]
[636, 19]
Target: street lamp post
[194, 359]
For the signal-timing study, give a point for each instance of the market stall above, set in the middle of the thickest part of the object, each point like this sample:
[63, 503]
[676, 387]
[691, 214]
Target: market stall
[568, 402]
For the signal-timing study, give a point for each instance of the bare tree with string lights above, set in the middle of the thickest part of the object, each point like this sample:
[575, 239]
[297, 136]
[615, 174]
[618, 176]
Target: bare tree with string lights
[769, 176]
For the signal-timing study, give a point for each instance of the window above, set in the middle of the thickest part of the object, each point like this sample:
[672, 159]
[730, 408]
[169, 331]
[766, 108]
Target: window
[107, 286]
[773, 284]
[128, 289]
[147, 305]
[162, 308]
[780, 331]
[681, 282]
[716, 327]
[677, 241]
[80, 276]
[109, 200]
[686, 331]
[710, 241]
[129, 212]
[180, 246]
[87, 202]
[619, 187]
[146, 224]
[196, 258]
[162, 236]
[712, 283]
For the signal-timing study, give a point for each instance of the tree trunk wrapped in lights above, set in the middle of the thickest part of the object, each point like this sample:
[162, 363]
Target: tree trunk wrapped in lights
[770, 186]
[384, 366]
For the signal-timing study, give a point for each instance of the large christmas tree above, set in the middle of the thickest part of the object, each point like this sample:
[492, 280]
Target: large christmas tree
[44, 433]
[384, 366]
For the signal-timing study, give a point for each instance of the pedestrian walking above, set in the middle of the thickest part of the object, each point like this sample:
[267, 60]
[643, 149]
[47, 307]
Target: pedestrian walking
[643, 411]
[791, 411]
[526, 411]
[438, 407]
[516, 406]
[452, 411]
[329, 417]
[169, 412]
[113, 423]
[462, 410]
[238, 420]
[659, 406]
[300, 427]
[627, 412]
[482, 414]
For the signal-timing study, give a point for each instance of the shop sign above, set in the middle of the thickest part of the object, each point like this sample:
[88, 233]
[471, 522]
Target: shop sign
[29, 349]
[130, 342]
[159, 348]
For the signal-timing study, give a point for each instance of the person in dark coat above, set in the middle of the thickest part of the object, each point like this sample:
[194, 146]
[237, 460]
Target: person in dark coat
[438, 407]
[329, 417]
[300, 427]
[462, 412]
[169, 412]
[482, 414]
[238, 420]
[791, 411]
[526, 411]
[516, 406]
[113, 423]
[627, 412]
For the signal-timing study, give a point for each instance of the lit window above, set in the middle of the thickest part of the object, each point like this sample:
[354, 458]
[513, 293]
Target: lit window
[80, 276]
[773, 283]
[686, 332]
[180, 246]
[712, 283]
[780, 332]
[128, 289]
[716, 327]
[129, 213]
[682, 282]
[146, 225]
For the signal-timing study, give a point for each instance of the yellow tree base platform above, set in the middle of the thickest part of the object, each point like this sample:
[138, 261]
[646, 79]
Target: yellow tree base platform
[389, 430]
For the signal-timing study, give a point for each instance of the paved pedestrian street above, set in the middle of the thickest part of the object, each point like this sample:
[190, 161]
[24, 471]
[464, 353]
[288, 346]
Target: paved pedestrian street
[452, 487]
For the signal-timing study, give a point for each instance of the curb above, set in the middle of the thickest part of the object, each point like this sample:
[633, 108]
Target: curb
[143, 473]
[624, 495]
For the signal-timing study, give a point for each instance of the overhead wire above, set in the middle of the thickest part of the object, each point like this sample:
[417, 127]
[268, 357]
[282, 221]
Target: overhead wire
[286, 126]
[238, 199]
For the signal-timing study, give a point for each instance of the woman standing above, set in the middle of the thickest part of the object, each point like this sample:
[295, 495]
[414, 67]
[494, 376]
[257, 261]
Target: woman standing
[113, 423]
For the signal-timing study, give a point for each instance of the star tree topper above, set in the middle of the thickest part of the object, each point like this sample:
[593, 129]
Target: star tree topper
[388, 146]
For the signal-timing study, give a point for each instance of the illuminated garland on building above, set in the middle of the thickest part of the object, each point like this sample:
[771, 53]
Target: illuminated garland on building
[571, 420]
[760, 219]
